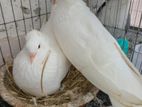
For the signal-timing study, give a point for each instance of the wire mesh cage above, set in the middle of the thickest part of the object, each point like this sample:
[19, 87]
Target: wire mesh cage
[122, 18]
[17, 17]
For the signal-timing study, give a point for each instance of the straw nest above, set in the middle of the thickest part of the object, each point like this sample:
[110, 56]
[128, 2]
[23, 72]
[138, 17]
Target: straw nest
[76, 92]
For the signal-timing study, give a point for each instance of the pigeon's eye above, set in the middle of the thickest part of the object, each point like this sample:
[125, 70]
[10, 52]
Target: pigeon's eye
[38, 46]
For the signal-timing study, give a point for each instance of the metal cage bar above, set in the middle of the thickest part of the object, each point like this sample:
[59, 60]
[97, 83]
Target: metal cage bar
[107, 9]
[15, 25]
[10, 48]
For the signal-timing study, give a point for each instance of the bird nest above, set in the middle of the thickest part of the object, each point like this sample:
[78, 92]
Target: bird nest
[76, 91]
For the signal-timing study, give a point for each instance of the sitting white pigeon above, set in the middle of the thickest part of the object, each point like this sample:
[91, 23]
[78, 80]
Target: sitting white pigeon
[95, 53]
[40, 67]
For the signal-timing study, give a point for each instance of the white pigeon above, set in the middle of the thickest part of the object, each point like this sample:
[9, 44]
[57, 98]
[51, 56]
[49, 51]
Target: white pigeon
[95, 53]
[40, 67]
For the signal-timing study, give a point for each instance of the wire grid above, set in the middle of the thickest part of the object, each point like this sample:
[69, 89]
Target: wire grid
[103, 8]
[23, 19]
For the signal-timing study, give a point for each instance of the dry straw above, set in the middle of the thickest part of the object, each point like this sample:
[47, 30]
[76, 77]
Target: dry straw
[76, 91]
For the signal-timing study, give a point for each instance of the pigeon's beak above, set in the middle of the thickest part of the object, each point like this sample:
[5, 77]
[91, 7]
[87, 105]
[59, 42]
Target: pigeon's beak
[32, 57]
[53, 1]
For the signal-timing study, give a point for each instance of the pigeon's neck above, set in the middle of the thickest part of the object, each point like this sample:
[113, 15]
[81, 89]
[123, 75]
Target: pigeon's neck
[41, 56]
[68, 2]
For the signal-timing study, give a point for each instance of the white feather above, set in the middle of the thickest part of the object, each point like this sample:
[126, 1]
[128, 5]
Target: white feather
[28, 76]
[93, 50]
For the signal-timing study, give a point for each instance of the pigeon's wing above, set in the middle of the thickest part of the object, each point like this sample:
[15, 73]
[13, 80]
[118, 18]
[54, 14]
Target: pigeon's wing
[94, 30]
[93, 34]
[127, 61]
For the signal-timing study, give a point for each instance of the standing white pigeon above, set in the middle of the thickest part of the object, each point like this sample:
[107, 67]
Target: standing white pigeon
[40, 67]
[94, 52]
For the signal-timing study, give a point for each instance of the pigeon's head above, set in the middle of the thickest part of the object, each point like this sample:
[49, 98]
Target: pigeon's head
[35, 43]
